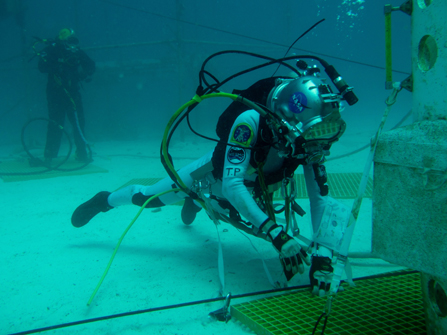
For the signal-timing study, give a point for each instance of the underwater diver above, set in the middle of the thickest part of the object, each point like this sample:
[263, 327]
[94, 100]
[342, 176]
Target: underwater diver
[67, 65]
[240, 175]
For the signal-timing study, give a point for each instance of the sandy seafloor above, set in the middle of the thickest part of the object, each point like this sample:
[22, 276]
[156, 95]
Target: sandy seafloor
[49, 269]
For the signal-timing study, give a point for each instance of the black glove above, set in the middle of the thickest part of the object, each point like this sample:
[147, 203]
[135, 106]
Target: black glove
[320, 275]
[291, 255]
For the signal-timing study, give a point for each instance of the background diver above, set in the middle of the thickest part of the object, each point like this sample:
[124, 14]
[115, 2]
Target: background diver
[242, 172]
[67, 65]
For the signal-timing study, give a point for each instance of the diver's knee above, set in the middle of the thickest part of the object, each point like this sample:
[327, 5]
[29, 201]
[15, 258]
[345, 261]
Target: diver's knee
[139, 199]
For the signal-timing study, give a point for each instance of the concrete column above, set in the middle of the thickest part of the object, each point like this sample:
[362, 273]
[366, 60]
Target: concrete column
[429, 59]
[410, 170]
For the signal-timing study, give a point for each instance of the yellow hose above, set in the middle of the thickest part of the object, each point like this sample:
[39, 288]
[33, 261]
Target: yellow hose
[121, 239]
[195, 99]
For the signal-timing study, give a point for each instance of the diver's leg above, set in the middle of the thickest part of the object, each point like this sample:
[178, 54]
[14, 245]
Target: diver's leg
[189, 211]
[138, 195]
[56, 113]
[77, 120]
[89, 209]
[105, 201]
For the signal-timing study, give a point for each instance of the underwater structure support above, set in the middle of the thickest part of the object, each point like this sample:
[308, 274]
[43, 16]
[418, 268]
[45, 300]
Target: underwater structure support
[410, 169]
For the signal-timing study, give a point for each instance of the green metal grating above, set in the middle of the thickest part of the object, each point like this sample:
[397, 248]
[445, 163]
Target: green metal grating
[341, 185]
[385, 305]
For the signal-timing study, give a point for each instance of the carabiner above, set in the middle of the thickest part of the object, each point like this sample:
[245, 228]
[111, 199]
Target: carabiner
[288, 188]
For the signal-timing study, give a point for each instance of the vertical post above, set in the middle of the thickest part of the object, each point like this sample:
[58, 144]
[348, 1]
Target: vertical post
[76, 15]
[410, 179]
[388, 55]
[180, 61]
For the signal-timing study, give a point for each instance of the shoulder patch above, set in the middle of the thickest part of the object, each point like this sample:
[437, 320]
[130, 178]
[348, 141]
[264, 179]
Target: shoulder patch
[236, 155]
[242, 135]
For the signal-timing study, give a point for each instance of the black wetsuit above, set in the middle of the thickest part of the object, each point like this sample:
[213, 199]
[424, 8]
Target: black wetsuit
[65, 68]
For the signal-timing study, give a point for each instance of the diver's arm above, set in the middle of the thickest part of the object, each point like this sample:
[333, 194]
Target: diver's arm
[236, 165]
[48, 63]
[317, 201]
[87, 64]
[320, 273]
[235, 169]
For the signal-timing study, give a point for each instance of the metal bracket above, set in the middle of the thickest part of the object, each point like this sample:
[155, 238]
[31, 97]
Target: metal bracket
[408, 83]
[406, 7]
[223, 314]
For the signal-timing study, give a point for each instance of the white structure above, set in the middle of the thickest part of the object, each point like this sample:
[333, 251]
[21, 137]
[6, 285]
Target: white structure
[410, 169]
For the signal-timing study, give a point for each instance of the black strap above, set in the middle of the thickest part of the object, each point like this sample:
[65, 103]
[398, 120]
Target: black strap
[321, 178]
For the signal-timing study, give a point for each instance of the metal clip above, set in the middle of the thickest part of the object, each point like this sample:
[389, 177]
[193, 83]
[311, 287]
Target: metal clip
[200, 185]
[288, 188]
[328, 307]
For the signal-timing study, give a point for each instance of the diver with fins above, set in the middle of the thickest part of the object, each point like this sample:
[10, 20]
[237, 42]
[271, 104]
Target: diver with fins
[67, 66]
[258, 154]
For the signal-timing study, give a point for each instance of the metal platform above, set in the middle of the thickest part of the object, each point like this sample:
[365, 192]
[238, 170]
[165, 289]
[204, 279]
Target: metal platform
[389, 304]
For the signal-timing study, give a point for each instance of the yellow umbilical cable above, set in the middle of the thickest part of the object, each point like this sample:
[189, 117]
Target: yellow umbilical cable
[121, 239]
[265, 192]
[194, 100]
[183, 187]
[164, 144]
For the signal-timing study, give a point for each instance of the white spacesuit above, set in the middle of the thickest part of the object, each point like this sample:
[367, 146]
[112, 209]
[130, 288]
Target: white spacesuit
[259, 154]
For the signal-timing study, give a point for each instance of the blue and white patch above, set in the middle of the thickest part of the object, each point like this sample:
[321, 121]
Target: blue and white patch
[242, 135]
[298, 102]
[236, 155]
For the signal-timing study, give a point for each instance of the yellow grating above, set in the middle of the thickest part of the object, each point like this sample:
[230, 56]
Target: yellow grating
[36, 172]
[341, 185]
[140, 181]
[385, 305]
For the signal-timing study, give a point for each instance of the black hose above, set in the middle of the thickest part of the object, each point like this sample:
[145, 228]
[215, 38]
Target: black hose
[302, 35]
[38, 162]
[318, 322]
[244, 295]
[368, 145]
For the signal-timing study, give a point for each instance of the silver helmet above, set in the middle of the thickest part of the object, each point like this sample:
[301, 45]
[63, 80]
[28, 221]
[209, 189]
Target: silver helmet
[310, 109]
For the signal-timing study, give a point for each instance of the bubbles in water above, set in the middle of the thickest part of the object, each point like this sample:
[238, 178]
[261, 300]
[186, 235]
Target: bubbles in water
[349, 14]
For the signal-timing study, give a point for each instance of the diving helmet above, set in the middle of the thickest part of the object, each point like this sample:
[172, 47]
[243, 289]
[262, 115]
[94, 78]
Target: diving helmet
[68, 38]
[310, 111]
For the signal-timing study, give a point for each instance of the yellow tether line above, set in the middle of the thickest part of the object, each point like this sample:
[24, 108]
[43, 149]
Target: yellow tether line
[195, 99]
[121, 239]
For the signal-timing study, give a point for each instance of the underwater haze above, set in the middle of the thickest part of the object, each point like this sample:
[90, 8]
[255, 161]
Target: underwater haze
[148, 55]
